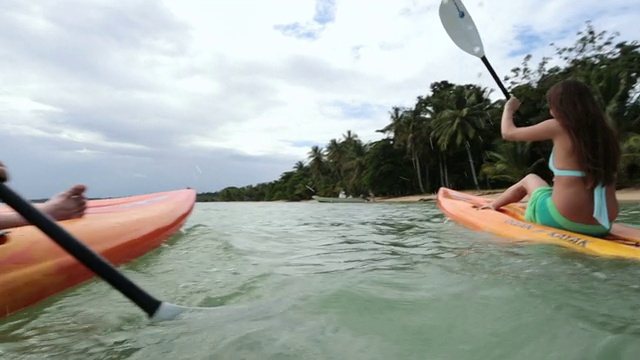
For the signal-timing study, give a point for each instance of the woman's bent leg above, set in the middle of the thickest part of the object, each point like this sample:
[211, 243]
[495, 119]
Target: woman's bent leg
[518, 191]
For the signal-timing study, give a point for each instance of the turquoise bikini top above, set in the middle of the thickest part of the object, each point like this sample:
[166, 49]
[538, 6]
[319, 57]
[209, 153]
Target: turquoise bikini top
[600, 211]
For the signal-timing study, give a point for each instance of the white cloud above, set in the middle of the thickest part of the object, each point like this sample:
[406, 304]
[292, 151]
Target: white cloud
[141, 85]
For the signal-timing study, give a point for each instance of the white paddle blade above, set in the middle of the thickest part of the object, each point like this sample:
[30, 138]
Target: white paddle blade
[460, 27]
[168, 311]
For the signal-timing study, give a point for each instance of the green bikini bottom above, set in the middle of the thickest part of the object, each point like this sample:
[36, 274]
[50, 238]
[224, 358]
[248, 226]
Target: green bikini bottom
[541, 210]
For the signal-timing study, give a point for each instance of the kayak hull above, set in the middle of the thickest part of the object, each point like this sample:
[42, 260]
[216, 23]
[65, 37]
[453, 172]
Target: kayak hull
[34, 267]
[622, 242]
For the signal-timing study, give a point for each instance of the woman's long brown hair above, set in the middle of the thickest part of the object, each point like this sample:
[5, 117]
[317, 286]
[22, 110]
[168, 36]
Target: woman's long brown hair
[577, 110]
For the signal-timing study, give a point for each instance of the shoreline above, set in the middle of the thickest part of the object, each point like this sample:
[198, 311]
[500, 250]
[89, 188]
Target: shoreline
[623, 195]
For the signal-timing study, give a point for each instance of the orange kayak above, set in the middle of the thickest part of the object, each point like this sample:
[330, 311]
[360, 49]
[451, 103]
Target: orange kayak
[33, 267]
[622, 242]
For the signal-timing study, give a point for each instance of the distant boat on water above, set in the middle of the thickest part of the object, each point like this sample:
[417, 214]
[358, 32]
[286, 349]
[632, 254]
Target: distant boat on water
[325, 199]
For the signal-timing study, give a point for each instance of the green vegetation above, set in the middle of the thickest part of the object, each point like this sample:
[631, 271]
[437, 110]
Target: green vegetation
[451, 137]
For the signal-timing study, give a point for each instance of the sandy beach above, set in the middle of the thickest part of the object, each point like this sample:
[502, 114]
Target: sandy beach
[629, 194]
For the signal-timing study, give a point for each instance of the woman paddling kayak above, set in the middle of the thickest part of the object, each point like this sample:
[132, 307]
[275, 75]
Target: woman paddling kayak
[584, 160]
[69, 204]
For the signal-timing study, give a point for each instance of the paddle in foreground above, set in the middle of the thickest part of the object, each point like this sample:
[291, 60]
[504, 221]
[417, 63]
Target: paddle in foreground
[156, 310]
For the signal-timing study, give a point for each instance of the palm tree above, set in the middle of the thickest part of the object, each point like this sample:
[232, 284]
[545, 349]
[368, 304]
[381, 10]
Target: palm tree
[461, 124]
[509, 162]
[408, 129]
[317, 166]
[387, 170]
[299, 166]
[335, 158]
[349, 136]
[354, 165]
[630, 159]
[433, 105]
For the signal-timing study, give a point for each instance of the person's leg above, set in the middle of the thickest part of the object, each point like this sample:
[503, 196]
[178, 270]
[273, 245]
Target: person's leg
[69, 204]
[518, 191]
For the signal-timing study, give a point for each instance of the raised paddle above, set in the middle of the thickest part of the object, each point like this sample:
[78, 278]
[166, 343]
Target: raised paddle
[462, 30]
[156, 310]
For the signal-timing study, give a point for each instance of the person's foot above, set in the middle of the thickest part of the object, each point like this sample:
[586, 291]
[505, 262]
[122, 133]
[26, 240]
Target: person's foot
[485, 207]
[69, 204]
[3, 173]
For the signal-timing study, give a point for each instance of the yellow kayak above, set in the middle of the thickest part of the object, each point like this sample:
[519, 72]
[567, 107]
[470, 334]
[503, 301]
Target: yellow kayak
[622, 242]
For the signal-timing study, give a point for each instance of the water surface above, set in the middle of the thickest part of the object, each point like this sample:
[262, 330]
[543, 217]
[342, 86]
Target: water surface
[345, 281]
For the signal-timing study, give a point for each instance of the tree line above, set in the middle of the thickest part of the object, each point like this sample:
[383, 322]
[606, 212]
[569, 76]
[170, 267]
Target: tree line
[451, 136]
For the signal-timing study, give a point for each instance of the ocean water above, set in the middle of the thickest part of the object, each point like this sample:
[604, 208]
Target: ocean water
[345, 281]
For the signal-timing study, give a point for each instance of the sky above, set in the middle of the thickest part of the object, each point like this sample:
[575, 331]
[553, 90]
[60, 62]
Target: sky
[138, 96]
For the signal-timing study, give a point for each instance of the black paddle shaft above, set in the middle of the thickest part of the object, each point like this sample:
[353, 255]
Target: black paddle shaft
[86, 256]
[495, 76]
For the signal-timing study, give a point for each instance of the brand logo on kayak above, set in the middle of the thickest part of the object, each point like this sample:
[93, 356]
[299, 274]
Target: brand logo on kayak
[576, 240]
[144, 202]
[569, 238]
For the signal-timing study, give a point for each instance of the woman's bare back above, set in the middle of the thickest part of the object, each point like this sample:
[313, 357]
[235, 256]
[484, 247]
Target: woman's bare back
[571, 196]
